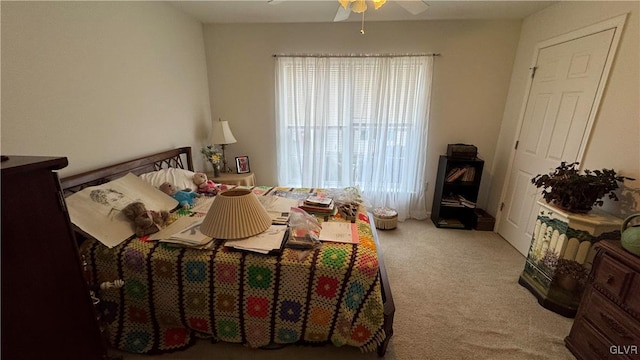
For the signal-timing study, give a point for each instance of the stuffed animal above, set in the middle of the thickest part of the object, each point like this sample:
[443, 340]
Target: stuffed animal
[146, 221]
[185, 198]
[205, 185]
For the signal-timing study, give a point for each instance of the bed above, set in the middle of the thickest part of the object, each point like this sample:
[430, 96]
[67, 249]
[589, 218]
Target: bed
[338, 294]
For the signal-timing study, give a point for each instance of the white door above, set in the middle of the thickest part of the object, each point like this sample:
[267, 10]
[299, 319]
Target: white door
[555, 125]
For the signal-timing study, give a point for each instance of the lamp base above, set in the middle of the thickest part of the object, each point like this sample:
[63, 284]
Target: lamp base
[225, 169]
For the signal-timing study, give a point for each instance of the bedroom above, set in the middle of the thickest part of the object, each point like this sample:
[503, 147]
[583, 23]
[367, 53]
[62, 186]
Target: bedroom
[76, 76]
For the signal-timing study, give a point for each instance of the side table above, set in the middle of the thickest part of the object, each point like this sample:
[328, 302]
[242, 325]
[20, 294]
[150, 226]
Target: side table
[247, 179]
[563, 244]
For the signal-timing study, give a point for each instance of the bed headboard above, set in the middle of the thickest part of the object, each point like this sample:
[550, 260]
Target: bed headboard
[175, 158]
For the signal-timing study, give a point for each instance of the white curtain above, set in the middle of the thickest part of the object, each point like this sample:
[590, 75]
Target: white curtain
[356, 121]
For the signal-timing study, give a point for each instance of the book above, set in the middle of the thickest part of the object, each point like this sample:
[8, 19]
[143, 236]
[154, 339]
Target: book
[318, 201]
[454, 175]
[330, 209]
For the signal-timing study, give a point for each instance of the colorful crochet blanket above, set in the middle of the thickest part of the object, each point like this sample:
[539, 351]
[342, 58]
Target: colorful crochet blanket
[172, 295]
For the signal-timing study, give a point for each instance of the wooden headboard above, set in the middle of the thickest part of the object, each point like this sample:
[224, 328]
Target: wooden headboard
[175, 158]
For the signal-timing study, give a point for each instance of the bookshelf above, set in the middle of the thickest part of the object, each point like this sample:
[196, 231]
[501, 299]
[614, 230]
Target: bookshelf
[456, 192]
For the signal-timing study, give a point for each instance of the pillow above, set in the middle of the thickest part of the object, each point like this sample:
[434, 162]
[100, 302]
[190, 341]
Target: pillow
[180, 178]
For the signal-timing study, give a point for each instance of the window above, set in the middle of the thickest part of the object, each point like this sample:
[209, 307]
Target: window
[355, 121]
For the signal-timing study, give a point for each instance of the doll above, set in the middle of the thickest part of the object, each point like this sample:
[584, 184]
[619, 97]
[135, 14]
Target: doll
[146, 221]
[185, 198]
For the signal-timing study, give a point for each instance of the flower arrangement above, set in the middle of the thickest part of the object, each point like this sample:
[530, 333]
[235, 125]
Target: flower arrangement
[213, 155]
[570, 274]
[577, 192]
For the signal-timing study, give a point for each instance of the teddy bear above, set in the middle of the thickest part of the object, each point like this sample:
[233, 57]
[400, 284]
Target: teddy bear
[205, 185]
[146, 221]
[185, 198]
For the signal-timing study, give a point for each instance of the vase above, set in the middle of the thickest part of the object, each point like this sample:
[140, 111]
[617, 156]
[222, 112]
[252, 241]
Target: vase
[567, 282]
[216, 170]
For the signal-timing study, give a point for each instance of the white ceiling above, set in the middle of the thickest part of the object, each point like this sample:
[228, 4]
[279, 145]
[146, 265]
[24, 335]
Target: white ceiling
[305, 11]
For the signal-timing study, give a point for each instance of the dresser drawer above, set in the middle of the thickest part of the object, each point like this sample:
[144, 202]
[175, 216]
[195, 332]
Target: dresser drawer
[632, 300]
[608, 318]
[587, 343]
[612, 277]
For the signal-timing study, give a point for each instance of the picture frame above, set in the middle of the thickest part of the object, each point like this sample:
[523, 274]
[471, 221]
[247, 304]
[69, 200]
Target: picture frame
[242, 164]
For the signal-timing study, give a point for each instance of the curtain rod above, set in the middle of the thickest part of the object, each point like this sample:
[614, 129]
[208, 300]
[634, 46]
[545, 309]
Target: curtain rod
[356, 55]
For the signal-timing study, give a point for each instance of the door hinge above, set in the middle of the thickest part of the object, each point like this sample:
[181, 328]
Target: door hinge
[533, 71]
[517, 142]
[501, 206]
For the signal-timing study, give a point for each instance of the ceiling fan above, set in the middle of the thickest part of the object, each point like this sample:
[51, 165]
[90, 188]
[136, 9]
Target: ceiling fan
[415, 7]
[345, 7]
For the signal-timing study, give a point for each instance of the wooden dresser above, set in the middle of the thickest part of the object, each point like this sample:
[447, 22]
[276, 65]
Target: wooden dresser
[47, 312]
[607, 325]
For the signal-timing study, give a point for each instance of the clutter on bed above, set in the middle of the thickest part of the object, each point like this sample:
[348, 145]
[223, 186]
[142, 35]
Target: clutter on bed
[206, 186]
[180, 284]
[184, 198]
[235, 214]
[146, 221]
[97, 210]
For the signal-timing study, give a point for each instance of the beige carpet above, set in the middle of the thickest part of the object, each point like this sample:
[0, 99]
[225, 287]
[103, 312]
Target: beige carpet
[457, 297]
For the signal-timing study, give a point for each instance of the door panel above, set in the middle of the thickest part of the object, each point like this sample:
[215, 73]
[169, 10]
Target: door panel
[560, 102]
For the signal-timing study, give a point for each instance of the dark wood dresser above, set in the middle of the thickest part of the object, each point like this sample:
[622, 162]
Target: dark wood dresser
[607, 325]
[47, 312]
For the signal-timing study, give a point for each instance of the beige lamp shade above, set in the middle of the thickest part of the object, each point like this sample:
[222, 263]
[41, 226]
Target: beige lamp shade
[235, 214]
[221, 133]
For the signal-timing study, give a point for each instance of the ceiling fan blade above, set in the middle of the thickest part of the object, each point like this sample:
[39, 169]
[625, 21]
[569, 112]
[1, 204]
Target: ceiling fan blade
[414, 7]
[342, 14]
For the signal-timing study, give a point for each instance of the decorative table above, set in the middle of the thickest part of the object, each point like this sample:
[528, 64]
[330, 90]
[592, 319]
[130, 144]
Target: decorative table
[561, 254]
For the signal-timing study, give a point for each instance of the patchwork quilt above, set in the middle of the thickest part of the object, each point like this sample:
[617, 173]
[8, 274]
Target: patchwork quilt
[173, 295]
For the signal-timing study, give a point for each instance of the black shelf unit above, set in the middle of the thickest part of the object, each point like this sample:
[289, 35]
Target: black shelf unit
[465, 188]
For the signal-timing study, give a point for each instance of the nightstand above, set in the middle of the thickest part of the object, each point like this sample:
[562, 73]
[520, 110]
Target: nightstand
[247, 179]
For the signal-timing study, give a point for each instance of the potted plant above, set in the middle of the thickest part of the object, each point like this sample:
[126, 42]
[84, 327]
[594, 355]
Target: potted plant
[570, 190]
[569, 274]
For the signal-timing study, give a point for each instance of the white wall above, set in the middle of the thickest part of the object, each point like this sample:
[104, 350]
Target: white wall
[101, 82]
[615, 138]
[469, 85]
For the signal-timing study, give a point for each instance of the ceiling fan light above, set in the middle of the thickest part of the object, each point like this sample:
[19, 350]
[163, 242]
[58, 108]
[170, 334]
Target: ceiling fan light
[344, 3]
[378, 3]
[359, 6]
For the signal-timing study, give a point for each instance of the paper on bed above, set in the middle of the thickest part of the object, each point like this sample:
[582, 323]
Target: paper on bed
[263, 243]
[97, 210]
[278, 208]
[185, 230]
[336, 231]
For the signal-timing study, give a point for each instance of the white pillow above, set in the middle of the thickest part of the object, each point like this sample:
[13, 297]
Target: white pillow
[180, 178]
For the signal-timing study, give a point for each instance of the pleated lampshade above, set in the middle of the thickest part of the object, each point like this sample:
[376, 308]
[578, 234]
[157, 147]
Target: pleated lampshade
[235, 214]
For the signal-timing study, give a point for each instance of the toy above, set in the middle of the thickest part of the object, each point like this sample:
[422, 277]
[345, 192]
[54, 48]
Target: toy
[205, 185]
[146, 221]
[185, 198]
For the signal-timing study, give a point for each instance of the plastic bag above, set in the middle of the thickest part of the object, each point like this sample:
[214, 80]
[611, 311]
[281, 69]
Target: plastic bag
[304, 230]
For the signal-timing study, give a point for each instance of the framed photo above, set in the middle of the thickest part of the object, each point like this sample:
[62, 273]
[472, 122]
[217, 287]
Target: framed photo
[242, 164]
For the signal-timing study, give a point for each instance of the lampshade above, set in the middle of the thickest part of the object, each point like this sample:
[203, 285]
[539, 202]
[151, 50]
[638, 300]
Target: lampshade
[235, 214]
[221, 133]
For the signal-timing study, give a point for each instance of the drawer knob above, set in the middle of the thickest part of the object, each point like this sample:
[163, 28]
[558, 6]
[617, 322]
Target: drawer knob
[610, 279]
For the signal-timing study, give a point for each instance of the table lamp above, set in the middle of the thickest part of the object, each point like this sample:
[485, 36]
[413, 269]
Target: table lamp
[235, 214]
[221, 135]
